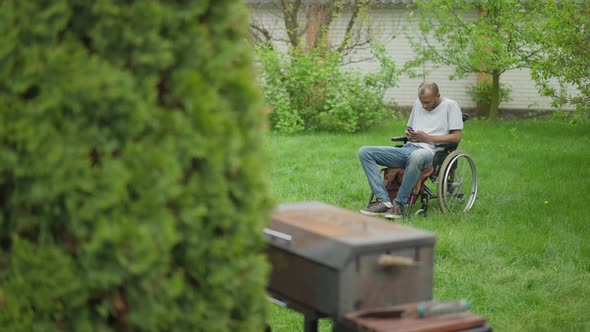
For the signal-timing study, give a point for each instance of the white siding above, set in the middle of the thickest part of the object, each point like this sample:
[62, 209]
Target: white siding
[524, 94]
[392, 20]
[270, 18]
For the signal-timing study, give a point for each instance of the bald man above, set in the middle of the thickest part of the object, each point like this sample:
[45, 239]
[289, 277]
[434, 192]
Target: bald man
[434, 119]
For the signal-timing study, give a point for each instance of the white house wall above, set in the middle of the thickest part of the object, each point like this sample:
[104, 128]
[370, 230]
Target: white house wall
[393, 20]
[524, 93]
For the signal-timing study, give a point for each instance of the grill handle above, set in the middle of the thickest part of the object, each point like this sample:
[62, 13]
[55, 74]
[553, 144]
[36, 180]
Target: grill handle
[274, 235]
[387, 260]
[276, 301]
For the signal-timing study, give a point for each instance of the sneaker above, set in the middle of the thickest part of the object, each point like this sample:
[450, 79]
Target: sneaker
[375, 209]
[395, 212]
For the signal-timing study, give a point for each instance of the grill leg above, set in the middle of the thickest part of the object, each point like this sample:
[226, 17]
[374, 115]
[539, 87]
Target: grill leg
[310, 324]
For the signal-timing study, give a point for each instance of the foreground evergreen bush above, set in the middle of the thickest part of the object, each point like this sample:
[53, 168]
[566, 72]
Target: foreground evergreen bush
[131, 185]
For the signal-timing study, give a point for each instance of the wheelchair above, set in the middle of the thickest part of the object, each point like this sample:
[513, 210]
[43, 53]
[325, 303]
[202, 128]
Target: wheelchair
[453, 172]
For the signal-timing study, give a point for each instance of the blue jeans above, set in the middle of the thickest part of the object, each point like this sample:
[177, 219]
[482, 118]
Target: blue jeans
[413, 158]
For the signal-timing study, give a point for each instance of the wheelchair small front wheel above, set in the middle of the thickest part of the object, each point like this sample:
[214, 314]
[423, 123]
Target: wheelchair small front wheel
[457, 182]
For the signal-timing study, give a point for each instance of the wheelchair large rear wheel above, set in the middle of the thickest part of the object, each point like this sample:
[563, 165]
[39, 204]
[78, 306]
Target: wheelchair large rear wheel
[457, 182]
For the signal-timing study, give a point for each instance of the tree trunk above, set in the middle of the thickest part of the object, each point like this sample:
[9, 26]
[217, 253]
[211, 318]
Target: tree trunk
[290, 10]
[318, 21]
[495, 103]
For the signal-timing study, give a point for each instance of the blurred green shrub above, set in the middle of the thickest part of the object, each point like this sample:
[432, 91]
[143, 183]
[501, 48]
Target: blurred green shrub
[131, 168]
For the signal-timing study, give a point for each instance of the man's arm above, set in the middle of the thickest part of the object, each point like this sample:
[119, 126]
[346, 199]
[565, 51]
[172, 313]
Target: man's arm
[419, 136]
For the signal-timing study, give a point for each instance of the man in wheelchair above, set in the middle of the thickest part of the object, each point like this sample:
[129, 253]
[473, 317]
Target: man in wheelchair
[434, 119]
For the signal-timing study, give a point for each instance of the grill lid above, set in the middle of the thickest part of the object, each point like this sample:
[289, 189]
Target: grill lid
[333, 236]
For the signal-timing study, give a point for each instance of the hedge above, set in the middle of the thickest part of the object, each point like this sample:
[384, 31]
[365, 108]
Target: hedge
[132, 183]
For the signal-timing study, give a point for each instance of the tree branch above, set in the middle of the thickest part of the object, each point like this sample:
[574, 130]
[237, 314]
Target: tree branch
[291, 10]
[260, 30]
[357, 6]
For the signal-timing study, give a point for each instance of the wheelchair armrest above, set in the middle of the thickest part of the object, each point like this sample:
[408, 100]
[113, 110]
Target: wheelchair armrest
[399, 139]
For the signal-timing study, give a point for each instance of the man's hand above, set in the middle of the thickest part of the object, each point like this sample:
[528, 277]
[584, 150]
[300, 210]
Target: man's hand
[420, 136]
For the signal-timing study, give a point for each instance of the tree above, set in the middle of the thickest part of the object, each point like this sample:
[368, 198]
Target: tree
[492, 42]
[564, 37]
[307, 86]
[312, 19]
[132, 186]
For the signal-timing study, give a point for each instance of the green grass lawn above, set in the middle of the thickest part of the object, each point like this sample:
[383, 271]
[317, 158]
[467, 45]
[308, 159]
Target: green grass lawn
[521, 255]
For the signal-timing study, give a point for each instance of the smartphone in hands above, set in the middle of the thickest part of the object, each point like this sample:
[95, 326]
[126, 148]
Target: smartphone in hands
[409, 132]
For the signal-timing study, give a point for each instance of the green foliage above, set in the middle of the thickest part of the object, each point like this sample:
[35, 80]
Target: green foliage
[565, 39]
[131, 168]
[482, 94]
[474, 37]
[312, 91]
[482, 36]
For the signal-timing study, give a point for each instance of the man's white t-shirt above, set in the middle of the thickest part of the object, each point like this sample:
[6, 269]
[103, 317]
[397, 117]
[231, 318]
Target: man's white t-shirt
[445, 117]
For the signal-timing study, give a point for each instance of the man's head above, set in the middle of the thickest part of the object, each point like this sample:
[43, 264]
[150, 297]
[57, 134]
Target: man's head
[429, 95]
